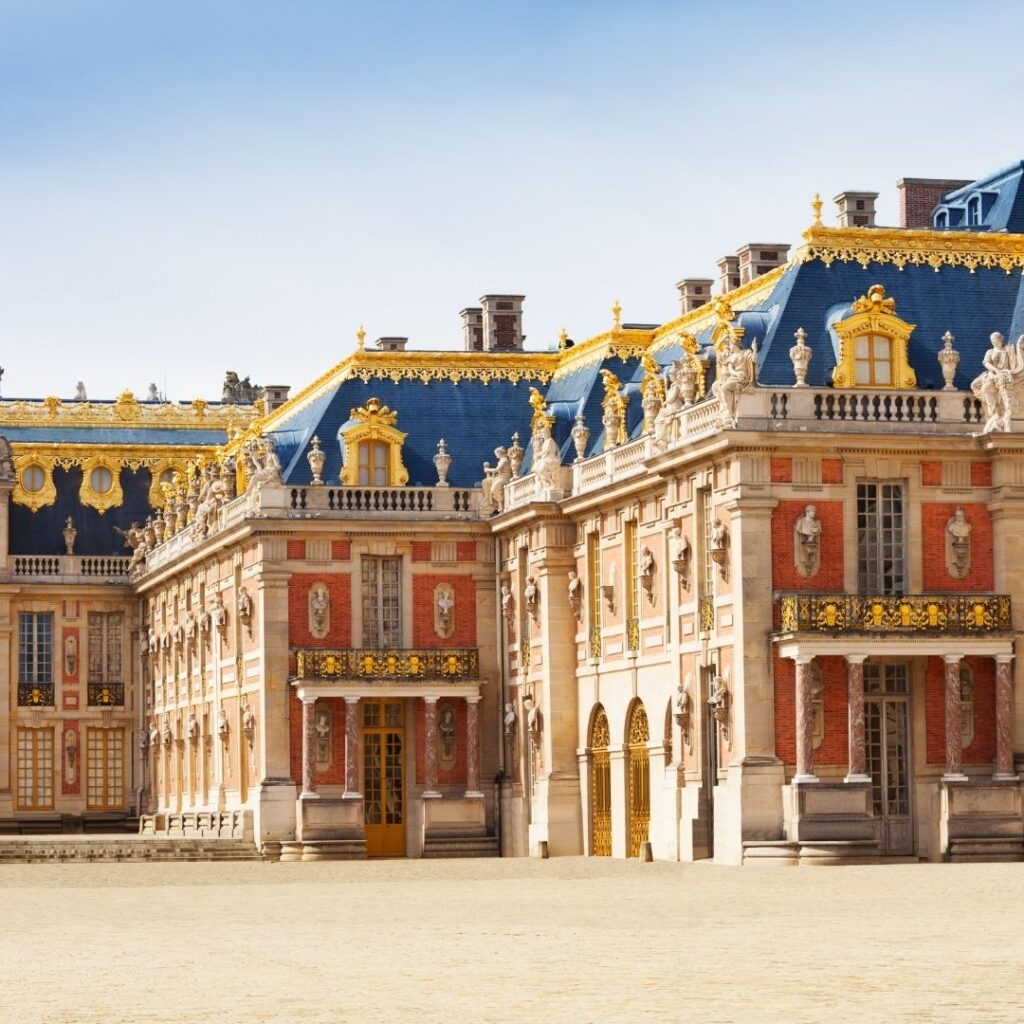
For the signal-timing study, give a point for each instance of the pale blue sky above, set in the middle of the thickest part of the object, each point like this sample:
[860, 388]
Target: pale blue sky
[189, 187]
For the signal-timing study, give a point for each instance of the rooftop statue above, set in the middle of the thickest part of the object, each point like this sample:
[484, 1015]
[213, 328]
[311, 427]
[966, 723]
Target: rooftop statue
[737, 372]
[997, 384]
[240, 392]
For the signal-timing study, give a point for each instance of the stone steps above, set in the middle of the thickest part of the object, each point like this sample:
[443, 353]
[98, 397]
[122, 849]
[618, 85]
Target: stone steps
[460, 846]
[65, 849]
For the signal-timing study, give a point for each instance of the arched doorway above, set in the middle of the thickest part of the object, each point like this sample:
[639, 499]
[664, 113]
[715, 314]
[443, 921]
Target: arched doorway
[600, 786]
[639, 775]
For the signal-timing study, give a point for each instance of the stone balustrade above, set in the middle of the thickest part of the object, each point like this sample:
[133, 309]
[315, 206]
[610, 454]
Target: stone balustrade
[71, 568]
[283, 501]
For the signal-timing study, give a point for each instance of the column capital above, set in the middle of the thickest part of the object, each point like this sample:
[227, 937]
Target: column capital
[1004, 659]
[953, 659]
[803, 659]
[307, 698]
[352, 699]
[474, 699]
[855, 659]
[431, 700]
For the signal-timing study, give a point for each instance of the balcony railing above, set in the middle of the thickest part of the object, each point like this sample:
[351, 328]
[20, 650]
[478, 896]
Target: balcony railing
[35, 695]
[397, 663]
[105, 695]
[87, 568]
[924, 613]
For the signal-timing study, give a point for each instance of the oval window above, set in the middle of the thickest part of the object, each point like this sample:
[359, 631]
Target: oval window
[167, 477]
[100, 480]
[33, 479]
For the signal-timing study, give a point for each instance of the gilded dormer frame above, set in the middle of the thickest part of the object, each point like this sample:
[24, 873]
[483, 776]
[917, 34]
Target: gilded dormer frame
[372, 422]
[874, 315]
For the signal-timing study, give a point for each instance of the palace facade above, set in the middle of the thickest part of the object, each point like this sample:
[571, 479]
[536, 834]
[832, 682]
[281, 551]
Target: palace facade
[745, 585]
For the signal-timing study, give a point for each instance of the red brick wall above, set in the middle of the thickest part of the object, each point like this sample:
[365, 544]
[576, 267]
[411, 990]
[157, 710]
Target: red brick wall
[981, 474]
[423, 633]
[453, 775]
[341, 550]
[296, 549]
[466, 550]
[335, 773]
[782, 470]
[935, 575]
[831, 471]
[830, 571]
[835, 744]
[421, 550]
[339, 586]
[931, 474]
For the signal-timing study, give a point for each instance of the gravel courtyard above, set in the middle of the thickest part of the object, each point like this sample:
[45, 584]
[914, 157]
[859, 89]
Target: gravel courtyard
[510, 940]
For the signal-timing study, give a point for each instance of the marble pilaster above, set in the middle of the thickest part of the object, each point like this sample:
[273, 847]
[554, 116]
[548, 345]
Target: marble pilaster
[855, 704]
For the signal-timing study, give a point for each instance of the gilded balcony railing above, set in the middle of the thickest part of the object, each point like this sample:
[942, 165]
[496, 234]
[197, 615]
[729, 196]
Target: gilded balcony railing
[35, 695]
[396, 663]
[920, 613]
[103, 695]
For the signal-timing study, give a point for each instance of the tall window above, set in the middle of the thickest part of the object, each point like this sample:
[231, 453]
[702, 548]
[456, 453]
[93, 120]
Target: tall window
[373, 464]
[35, 769]
[707, 566]
[873, 360]
[880, 538]
[35, 658]
[632, 587]
[594, 592]
[104, 769]
[382, 592]
[106, 679]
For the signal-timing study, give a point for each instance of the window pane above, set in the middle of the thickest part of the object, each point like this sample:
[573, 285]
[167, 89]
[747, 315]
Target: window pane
[862, 350]
[862, 374]
[883, 373]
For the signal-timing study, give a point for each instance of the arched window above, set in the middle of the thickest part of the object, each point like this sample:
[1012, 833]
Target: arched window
[600, 786]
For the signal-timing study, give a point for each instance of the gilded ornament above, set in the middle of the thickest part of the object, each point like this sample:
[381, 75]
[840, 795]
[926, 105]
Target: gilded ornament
[874, 315]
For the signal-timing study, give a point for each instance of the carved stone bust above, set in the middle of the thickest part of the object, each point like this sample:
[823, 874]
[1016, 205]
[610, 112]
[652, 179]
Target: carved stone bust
[319, 611]
[958, 545]
[807, 542]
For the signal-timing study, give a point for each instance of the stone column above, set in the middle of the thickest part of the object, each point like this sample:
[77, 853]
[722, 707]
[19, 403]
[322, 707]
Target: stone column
[308, 747]
[430, 747]
[352, 749]
[1004, 718]
[855, 709]
[954, 766]
[804, 722]
[473, 747]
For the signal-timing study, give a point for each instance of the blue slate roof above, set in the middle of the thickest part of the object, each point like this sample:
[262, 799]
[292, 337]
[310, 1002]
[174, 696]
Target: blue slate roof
[993, 203]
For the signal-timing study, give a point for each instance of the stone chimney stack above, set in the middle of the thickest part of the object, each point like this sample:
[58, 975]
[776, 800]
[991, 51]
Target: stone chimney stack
[919, 196]
[757, 258]
[694, 292]
[472, 329]
[276, 395]
[391, 344]
[502, 323]
[728, 273]
[856, 209]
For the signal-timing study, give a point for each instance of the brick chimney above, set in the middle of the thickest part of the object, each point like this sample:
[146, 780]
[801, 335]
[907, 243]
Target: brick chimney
[919, 196]
[856, 209]
[502, 322]
[472, 329]
[757, 258]
[391, 344]
[728, 273]
[694, 292]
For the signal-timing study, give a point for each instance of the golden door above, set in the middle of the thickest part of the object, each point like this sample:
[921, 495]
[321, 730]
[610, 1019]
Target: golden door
[384, 777]
[639, 780]
[601, 788]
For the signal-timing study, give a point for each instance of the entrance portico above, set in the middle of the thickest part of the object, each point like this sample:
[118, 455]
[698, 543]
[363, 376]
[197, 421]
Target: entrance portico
[370, 817]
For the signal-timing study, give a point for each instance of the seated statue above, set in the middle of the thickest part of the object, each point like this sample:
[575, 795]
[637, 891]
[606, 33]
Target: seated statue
[736, 372]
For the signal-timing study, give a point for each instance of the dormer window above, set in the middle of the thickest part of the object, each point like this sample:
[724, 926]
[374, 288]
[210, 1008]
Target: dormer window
[942, 219]
[873, 345]
[974, 211]
[371, 447]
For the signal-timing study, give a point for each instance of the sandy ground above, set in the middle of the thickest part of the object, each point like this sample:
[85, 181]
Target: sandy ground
[512, 940]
